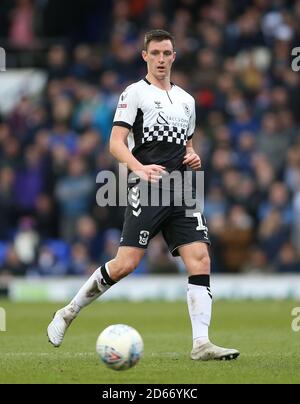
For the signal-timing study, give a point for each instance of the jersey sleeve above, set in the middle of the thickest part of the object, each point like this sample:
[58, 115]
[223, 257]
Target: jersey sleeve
[191, 127]
[127, 109]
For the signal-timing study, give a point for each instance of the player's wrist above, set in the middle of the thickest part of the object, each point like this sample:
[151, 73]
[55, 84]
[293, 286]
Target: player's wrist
[137, 167]
[190, 149]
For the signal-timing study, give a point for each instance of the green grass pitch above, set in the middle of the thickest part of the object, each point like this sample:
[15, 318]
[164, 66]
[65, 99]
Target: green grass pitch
[270, 350]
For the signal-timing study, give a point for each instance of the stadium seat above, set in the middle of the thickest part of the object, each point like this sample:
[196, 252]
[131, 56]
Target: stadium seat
[60, 249]
[3, 252]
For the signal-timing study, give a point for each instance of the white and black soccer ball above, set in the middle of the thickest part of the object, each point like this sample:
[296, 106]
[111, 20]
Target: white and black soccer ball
[120, 346]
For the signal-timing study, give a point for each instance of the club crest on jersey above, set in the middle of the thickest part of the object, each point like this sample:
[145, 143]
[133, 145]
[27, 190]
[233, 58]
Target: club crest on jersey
[158, 104]
[144, 235]
[186, 109]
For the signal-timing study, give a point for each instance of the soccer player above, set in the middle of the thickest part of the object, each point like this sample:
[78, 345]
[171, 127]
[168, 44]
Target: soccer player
[152, 133]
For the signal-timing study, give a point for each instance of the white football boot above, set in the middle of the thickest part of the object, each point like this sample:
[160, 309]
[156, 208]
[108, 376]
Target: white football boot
[58, 326]
[210, 351]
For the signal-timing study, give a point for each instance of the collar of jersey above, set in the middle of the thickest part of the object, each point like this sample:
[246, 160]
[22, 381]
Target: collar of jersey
[148, 82]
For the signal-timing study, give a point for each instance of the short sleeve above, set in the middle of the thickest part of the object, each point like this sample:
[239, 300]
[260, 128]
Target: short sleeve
[127, 108]
[191, 127]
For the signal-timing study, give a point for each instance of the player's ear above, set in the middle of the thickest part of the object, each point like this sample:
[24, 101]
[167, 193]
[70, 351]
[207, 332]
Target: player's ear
[174, 56]
[145, 55]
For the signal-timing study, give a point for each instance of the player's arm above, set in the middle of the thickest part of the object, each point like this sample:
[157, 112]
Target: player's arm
[191, 158]
[119, 149]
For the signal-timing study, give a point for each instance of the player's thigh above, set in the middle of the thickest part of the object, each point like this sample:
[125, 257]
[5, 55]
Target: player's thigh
[180, 230]
[141, 226]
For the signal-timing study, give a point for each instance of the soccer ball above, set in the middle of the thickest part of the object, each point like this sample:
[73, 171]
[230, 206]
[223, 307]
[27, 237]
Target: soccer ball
[120, 346]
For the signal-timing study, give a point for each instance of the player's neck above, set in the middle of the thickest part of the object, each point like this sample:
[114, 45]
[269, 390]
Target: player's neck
[163, 84]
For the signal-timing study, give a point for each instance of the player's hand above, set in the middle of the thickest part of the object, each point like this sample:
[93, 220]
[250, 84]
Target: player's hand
[151, 172]
[192, 160]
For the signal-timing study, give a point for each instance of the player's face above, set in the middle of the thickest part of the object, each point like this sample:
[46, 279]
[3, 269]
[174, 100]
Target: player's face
[159, 57]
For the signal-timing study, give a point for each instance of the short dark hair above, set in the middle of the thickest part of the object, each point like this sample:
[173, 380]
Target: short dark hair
[158, 35]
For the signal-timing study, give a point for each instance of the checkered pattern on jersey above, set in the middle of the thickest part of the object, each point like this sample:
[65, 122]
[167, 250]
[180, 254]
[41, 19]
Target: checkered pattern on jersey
[165, 133]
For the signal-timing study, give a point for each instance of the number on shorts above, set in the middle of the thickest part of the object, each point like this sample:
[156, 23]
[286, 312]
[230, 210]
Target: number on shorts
[201, 225]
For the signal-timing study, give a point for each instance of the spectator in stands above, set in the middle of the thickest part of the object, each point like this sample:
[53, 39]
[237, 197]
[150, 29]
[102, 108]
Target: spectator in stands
[48, 264]
[22, 22]
[46, 217]
[272, 141]
[278, 199]
[288, 260]
[80, 261]
[7, 205]
[272, 234]
[26, 241]
[235, 238]
[74, 193]
[257, 260]
[29, 182]
[12, 264]
[87, 234]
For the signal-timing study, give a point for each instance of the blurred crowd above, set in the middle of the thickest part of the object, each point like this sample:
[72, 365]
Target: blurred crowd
[233, 57]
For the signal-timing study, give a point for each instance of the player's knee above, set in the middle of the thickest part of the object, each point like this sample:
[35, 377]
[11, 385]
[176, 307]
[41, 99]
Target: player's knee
[128, 267]
[200, 265]
[205, 264]
[124, 268]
